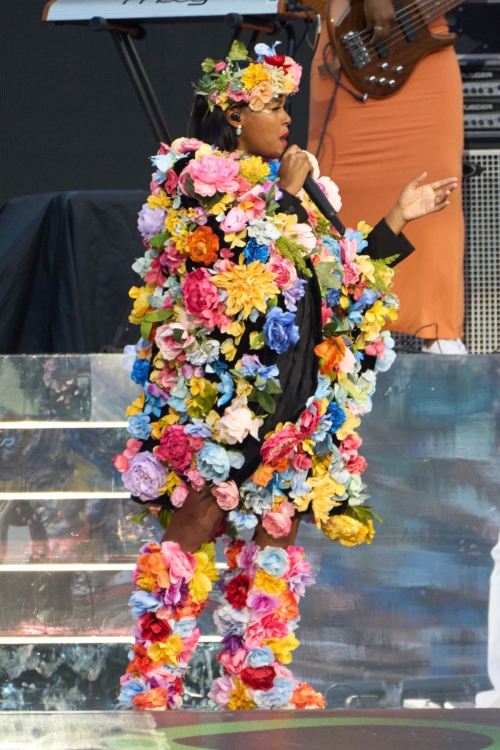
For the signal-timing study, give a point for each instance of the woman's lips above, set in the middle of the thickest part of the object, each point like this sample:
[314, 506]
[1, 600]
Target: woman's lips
[284, 138]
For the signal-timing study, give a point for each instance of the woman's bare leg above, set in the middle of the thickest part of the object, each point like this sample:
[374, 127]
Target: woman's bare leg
[263, 539]
[195, 523]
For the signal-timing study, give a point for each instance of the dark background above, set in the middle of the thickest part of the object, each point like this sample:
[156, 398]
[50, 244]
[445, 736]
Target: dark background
[69, 118]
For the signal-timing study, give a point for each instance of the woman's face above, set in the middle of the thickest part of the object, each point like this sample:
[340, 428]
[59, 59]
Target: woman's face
[263, 133]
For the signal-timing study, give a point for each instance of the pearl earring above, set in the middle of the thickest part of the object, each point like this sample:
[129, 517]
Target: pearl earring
[238, 130]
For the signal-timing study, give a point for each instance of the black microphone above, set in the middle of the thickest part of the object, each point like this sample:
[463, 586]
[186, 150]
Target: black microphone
[322, 203]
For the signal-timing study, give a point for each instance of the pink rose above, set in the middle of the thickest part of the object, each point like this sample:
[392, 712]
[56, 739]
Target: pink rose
[180, 564]
[212, 174]
[243, 185]
[331, 191]
[233, 662]
[270, 626]
[220, 66]
[301, 460]
[350, 445]
[175, 447]
[295, 70]
[309, 420]
[164, 149]
[260, 603]
[356, 465]
[200, 296]
[280, 444]
[286, 275]
[238, 422]
[185, 145]
[238, 96]
[167, 377]
[227, 495]
[196, 481]
[376, 348]
[171, 182]
[296, 563]
[351, 273]
[235, 221]
[278, 523]
[133, 447]
[179, 495]
[172, 258]
[168, 345]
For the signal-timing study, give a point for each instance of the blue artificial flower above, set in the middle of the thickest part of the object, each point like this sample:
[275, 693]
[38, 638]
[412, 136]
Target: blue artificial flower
[279, 695]
[254, 251]
[242, 521]
[332, 246]
[367, 299]
[352, 234]
[139, 426]
[264, 50]
[130, 689]
[323, 444]
[215, 462]
[155, 400]
[142, 601]
[256, 498]
[299, 484]
[274, 166]
[323, 390]
[163, 162]
[229, 621]
[336, 415]
[226, 387]
[333, 297]
[140, 370]
[259, 657]
[184, 627]
[252, 367]
[292, 295]
[280, 330]
[198, 428]
[273, 560]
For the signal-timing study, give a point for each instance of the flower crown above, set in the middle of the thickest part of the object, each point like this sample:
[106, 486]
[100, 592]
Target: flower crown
[256, 83]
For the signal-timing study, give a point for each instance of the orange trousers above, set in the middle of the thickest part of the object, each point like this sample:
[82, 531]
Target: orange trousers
[372, 150]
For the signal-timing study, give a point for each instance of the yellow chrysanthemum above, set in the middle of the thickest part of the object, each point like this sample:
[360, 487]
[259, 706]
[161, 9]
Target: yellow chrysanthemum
[141, 304]
[160, 201]
[268, 583]
[166, 651]
[206, 572]
[254, 74]
[349, 426]
[254, 169]
[136, 407]
[247, 287]
[281, 647]
[348, 531]
[238, 698]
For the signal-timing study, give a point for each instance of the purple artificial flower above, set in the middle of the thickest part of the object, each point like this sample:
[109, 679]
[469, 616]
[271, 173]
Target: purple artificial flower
[231, 643]
[293, 295]
[151, 221]
[145, 476]
[246, 559]
[260, 603]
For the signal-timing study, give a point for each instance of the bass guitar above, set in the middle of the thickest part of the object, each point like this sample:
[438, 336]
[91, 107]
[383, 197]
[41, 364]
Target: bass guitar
[380, 69]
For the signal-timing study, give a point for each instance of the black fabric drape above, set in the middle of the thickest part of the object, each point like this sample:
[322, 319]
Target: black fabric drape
[65, 262]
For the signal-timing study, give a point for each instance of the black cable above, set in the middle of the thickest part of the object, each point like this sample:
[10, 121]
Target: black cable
[332, 100]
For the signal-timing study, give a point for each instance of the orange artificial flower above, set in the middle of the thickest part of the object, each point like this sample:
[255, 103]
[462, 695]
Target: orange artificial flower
[154, 698]
[306, 697]
[140, 661]
[282, 464]
[331, 351]
[232, 552]
[288, 609]
[262, 475]
[159, 570]
[203, 245]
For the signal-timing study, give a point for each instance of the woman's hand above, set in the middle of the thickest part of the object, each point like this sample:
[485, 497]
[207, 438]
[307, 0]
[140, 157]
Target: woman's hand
[418, 200]
[295, 166]
[380, 17]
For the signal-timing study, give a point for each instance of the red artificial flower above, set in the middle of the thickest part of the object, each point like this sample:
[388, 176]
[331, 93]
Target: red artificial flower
[278, 61]
[153, 629]
[237, 591]
[261, 678]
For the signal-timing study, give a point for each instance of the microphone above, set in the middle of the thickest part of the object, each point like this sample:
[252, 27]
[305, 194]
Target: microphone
[322, 203]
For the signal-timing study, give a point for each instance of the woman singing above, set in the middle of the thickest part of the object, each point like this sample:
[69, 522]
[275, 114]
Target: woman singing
[261, 337]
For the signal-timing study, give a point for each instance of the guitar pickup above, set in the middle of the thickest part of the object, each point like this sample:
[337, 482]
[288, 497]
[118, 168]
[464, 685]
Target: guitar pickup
[405, 22]
[357, 49]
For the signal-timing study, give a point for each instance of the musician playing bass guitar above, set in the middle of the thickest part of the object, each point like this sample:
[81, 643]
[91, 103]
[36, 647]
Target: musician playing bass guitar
[370, 147]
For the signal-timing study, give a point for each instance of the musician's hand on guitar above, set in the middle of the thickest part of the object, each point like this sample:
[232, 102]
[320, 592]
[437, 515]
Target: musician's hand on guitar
[419, 200]
[295, 166]
[380, 17]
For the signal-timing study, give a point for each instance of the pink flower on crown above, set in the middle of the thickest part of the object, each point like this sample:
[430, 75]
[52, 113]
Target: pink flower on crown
[180, 564]
[351, 273]
[227, 495]
[235, 221]
[295, 70]
[348, 250]
[278, 523]
[349, 446]
[168, 344]
[212, 174]
[200, 296]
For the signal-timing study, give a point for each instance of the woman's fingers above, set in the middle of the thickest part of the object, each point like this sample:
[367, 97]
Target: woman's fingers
[442, 183]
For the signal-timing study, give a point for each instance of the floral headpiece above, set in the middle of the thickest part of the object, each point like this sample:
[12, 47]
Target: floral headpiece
[242, 80]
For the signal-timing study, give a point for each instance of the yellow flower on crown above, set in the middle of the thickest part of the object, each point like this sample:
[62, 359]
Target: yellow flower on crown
[247, 287]
[238, 698]
[254, 74]
[141, 304]
[167, 651]
[201, 584]
[281, 647]
[160, 201]
[348, 531]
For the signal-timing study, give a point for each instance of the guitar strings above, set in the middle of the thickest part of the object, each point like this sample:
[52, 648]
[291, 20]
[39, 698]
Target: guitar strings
[416, 6]
[398, 34]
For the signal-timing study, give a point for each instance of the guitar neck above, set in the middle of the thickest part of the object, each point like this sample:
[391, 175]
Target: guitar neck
[432, 9]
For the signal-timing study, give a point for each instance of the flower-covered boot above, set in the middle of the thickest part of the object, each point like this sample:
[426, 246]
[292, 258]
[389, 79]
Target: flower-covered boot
[257, 621]
[172, 591]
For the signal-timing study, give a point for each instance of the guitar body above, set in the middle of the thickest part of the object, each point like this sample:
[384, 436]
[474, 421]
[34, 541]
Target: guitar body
[379, 71]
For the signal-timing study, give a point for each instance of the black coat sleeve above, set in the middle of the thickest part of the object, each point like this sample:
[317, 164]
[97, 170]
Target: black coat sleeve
[290, 204]
[383, 243]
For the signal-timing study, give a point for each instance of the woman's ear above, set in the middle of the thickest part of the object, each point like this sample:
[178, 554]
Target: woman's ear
[233, 116]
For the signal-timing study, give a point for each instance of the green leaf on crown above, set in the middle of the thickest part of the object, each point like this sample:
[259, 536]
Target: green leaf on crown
[238, 51]
[325, 276]
[159, 239]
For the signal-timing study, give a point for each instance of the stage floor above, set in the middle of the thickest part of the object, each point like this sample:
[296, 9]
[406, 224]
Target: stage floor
[472, 729]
